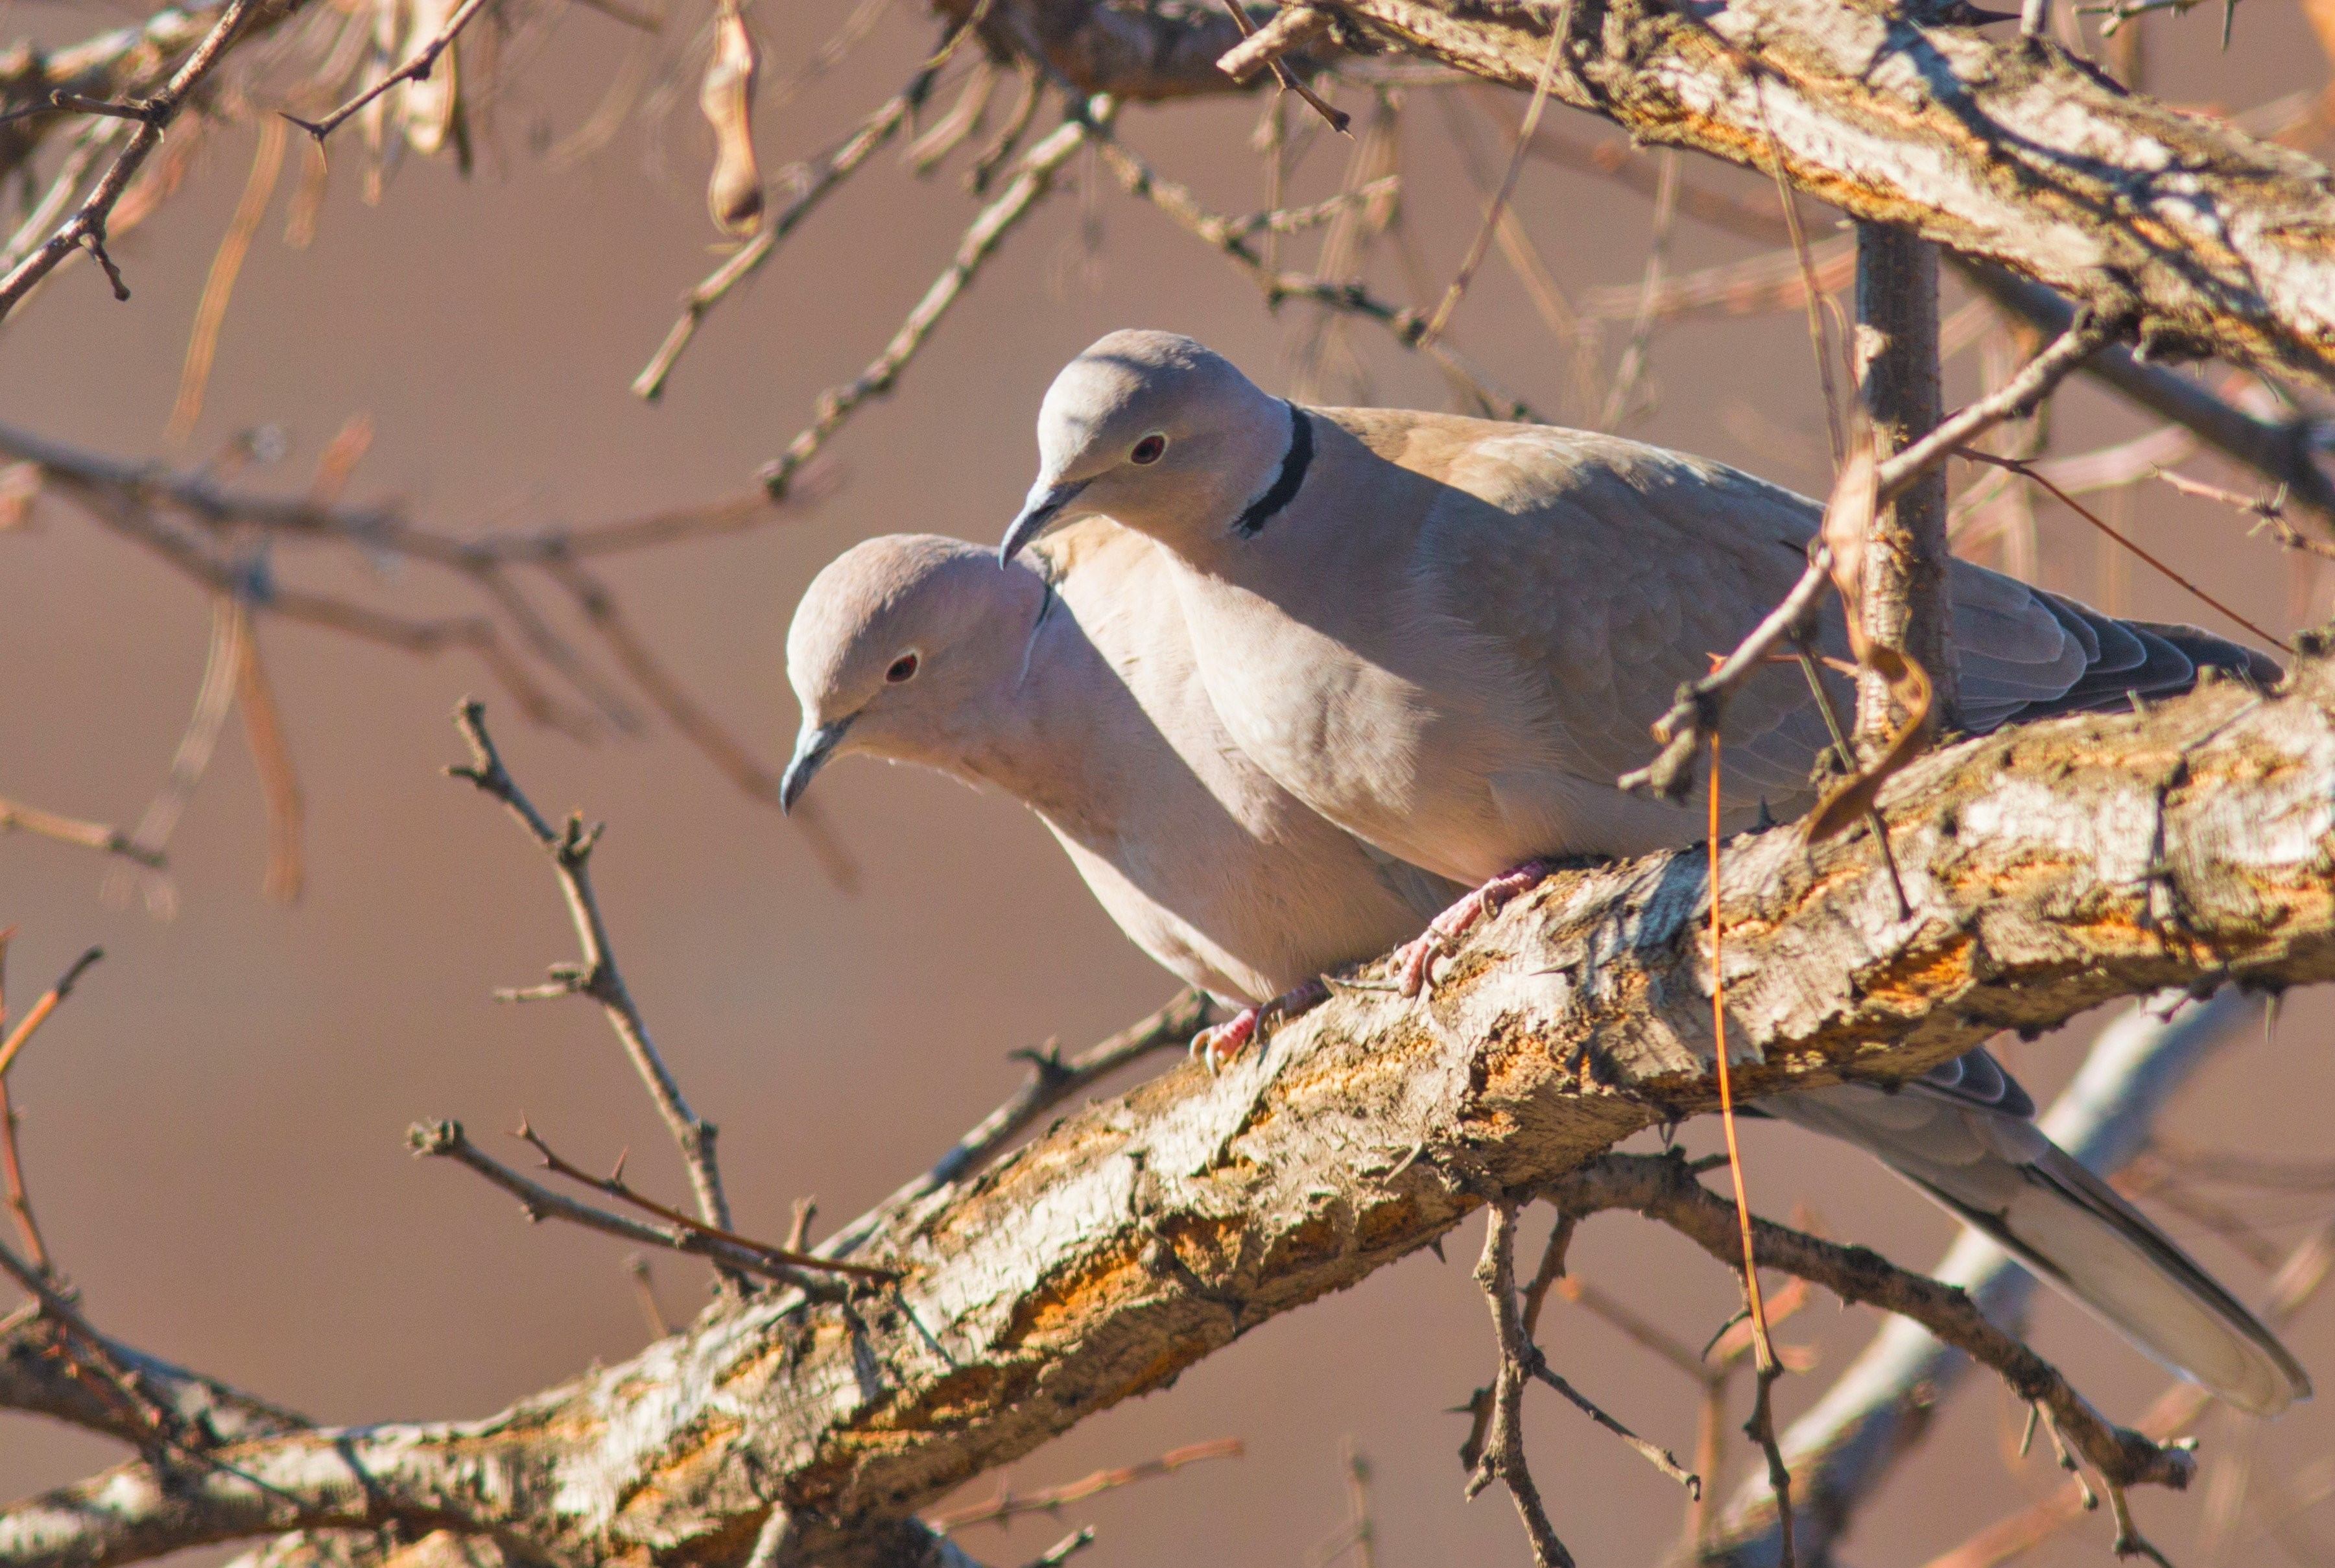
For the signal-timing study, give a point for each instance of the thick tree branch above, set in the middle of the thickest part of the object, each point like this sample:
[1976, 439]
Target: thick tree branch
[2050, 869]
[2013, 151]
[36, 1380]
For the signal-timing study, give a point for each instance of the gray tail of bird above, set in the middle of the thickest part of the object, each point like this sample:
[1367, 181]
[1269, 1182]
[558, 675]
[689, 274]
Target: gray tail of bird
[1994, 1169]
[2077, 1232]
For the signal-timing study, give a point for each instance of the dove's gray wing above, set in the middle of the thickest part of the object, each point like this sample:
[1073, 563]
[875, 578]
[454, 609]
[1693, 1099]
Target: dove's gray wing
[1621, 570]
[1615, 572]
[1964, 1137]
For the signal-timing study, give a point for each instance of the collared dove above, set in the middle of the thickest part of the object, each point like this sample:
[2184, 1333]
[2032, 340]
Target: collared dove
[1072, 688]
[1448, 635]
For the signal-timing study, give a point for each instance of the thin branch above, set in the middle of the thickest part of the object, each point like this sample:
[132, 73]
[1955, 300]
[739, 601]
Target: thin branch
[417, 69]
[1496, 208]
[51, 1000]
[598, 977]
[826, 172]
[218, 284]
[1032, 178]
[2280, 450]
[2027, 470]
[17, 817]
[87, 227]
[1502, 1456]
[271, 757]
[1183, 207]
[2270, 512]
[1696, 712]
[615, 1185]
[1661, 1188]
[2016, 398]
[1291, 30]
[446, 1141]
[636, 1269]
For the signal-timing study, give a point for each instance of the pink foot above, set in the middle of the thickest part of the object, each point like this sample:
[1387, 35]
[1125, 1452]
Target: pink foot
[1216, 1045]
[1215, 1048]
[1417, 957]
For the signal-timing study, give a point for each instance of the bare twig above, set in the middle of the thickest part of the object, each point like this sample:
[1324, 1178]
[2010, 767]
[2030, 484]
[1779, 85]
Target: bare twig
[636, 1268]
[1696, 712]
[1502, 1454]
[570, 849]
[1032, 178]
[1290, 31]
[1628, 395]
[51, 1000]
[825, 173]
[1662, 1188]
[1498, 207]
[2017, 398]
[17, 817]
[1180, 204]
[87, 227]
[1761, 1427]
[2027, 470]
[416, 69]
[271, 756]
[2268, 512]
[1771, 281]
[1007, 1504]
[446, 1139]
[615, 1185]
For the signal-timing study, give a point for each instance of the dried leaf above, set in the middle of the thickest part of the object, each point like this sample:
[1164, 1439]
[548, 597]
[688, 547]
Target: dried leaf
[1847, 526]
[339, 460]
[1848, 522]
[427, 105]
[734, 193]
[1909, 684]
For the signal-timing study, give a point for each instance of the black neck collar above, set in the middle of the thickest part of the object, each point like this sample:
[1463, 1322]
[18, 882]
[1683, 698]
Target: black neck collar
[1286, 483]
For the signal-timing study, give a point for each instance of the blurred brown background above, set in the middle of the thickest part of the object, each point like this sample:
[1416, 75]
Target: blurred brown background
[214, 1124]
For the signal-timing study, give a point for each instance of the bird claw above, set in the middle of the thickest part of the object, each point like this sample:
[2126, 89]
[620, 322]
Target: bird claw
[1417, 957]
[1215, 1047]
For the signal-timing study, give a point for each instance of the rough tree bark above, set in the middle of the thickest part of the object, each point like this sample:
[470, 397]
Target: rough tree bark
[2200, 237]
[2050, 870]
[1906, 603]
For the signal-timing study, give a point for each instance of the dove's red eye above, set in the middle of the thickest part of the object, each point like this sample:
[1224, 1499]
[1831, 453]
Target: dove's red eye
[1149, 448]
[902, 669]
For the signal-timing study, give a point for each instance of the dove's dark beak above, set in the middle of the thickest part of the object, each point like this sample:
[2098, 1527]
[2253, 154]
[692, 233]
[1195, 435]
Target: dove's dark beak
[1038, 513]
[813, 747]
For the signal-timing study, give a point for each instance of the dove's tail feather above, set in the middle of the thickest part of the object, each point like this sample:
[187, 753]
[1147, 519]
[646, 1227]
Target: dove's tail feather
[2074, 1230]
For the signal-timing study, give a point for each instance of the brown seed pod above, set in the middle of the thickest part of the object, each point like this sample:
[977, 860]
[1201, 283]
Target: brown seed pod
[734, 193]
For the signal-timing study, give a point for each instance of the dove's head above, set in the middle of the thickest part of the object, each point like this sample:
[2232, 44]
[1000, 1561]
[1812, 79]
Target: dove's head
[1156, 431]
[904, 648]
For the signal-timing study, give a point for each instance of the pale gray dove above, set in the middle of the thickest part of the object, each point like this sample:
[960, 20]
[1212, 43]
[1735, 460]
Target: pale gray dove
[1449, 636]
[1072, 688]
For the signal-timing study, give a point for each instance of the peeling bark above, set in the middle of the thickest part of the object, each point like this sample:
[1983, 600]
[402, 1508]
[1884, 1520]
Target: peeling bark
[2051, 869]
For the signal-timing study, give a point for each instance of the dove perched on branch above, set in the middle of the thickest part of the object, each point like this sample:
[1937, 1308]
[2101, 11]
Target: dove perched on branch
[1448, 635]
[1072, 688]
